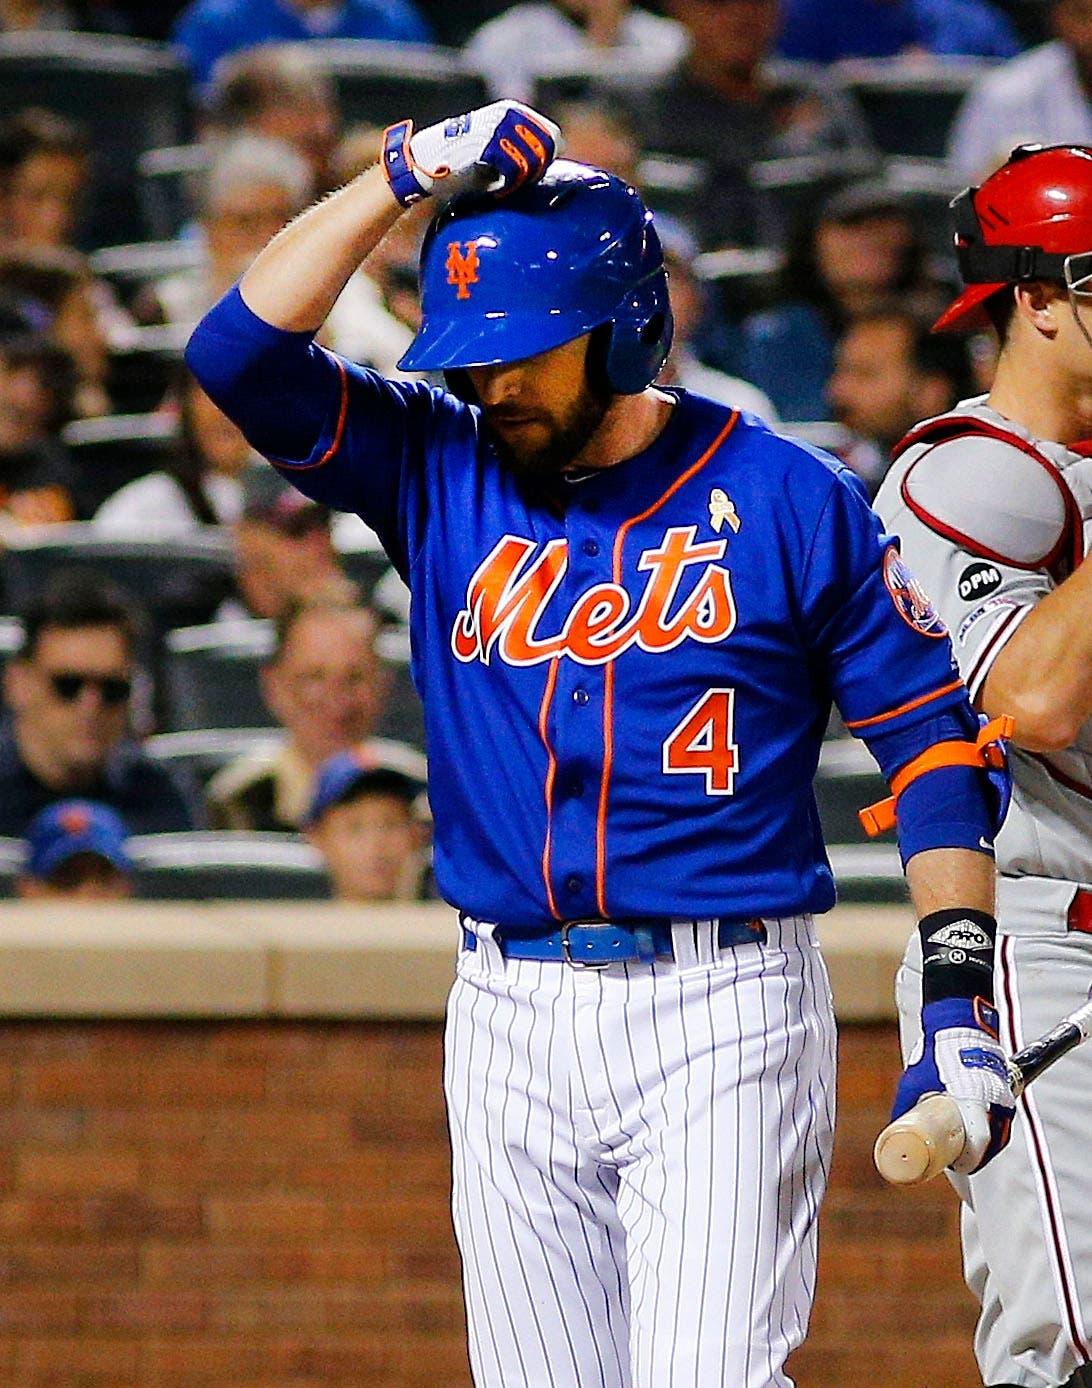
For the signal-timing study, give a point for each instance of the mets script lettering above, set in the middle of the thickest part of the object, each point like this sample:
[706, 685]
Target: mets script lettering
[507, 597]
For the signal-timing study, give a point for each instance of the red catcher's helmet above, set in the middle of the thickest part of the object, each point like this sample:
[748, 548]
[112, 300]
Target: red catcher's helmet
[1020, 225]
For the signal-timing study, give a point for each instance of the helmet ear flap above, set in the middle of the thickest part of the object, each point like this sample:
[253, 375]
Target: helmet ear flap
[598, 359]
[641, 339]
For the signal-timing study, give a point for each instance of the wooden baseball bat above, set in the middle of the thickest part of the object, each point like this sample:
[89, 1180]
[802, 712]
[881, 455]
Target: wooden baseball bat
[920, 1144]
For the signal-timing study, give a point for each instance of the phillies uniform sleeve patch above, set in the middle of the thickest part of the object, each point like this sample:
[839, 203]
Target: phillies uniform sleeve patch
[912, 602]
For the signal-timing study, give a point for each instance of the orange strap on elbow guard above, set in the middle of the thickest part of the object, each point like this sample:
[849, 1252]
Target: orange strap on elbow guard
[984, 751]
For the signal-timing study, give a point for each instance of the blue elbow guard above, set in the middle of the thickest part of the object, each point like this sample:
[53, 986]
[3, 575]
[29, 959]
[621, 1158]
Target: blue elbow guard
[953, 795]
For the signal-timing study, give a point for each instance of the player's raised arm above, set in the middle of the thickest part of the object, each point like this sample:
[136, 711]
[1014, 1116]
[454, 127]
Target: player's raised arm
[295, 281]
[253, 351]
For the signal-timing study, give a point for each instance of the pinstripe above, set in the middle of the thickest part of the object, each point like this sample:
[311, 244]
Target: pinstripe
[1056, 1246]
[640, 1263]
[764, 1175]
[656, 1145]
[509, 1091]
[510, 1321]
[577, 1184]
[466, 1225]
[551, 1205]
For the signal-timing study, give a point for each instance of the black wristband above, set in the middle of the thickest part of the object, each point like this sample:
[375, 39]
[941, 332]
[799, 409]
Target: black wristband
[957, 955]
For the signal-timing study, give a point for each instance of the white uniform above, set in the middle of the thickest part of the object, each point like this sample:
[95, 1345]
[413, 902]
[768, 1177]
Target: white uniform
[991, 521]
[693, 1160]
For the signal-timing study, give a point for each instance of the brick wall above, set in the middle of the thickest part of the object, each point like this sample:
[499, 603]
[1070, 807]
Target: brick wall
[266, 1204]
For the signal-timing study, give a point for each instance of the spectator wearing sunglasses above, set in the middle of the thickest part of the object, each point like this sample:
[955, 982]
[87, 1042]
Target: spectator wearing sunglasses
[69, 694]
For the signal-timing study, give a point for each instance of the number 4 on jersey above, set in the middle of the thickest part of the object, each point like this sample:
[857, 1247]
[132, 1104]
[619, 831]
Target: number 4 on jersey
[702, 743]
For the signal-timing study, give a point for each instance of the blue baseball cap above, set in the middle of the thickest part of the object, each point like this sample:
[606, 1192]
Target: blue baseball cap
[70, 827]
[390, 770]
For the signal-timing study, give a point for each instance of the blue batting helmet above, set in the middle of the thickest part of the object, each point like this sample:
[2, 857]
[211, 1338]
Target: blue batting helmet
[505, 279]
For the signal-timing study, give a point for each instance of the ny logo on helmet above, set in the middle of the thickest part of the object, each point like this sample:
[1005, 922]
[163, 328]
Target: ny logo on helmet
[462, 266]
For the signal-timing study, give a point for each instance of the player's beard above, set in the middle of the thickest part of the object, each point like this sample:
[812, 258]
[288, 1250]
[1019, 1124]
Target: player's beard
[563, 444]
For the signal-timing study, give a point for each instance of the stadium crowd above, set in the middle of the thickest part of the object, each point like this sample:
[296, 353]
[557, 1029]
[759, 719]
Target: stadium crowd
[193, 649]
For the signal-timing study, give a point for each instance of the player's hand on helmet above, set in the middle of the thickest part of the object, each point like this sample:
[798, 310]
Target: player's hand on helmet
[498, 148]
[959, 1055]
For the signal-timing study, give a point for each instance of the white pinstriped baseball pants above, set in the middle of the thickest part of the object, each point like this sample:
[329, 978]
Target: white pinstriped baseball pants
[639, 1154]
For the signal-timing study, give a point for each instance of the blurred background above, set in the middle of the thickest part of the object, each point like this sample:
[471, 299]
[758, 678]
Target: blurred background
[206, 694]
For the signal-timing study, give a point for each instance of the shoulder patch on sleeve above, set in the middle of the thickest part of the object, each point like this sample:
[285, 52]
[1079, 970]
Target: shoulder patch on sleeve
[912, 602]
[992, 499]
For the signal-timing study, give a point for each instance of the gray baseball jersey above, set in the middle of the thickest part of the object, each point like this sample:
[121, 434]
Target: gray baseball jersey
[992, 521]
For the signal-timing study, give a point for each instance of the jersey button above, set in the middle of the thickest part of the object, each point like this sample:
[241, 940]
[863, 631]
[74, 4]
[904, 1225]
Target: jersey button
[590, 548]
[581, 697]
[573, 884]
[575, 787]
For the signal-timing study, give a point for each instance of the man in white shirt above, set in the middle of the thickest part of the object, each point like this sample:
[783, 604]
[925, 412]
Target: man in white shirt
[1042, 96]
[526, 40]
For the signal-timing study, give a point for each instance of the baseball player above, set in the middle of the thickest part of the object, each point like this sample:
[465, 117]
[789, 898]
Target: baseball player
[631, 609]
[993, 503]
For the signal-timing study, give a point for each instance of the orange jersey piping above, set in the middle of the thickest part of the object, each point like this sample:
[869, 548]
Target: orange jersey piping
[608, 683]
[551, 772]
[905, 708]
[335, 443]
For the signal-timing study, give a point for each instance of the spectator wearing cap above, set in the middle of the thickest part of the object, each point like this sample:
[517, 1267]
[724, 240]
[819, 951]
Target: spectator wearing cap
[326, 687]
[864, 248]
[367, 821]
[253, 186]
[284, 551]
[76, 850]
[511, 49]
[1042, 96]
[69, 692]
[202, 486]
[44, 171]
[38, 482]
[208, 30]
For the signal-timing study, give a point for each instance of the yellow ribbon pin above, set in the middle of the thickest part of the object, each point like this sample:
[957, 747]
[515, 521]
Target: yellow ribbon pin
[722, 509]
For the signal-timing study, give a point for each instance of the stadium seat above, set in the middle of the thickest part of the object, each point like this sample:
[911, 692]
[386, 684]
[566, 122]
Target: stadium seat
[202, 752]
[12, 853]
[130, 266]
[112, 450]
[868, 873]
[177, 582]
[141, 371]
[168, 182]
[847, 780]
[365, 567]
[378, 83]
[212, 682]
[908, 107]
[211, 676]
[131, 95]
[797, 186]
[11, 638]
[820, 433]
[204, 866]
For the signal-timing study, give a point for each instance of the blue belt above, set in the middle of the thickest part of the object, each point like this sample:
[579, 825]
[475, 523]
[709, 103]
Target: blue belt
[595, 944]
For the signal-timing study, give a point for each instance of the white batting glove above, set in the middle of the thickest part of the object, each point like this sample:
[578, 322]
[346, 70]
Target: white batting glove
[503, 145]
[959, 1054]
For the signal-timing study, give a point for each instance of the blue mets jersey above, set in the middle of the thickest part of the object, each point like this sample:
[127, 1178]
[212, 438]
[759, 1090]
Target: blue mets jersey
[625, 693]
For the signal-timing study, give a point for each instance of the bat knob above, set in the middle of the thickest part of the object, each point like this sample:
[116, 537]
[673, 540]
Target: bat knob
[920, 1144]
